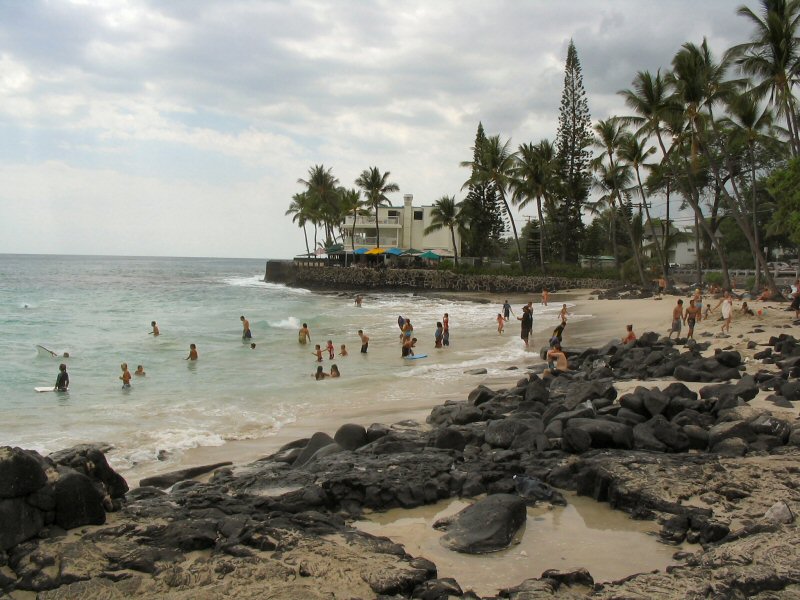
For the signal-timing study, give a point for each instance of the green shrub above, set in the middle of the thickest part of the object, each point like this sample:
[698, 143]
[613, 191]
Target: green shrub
[713, 278]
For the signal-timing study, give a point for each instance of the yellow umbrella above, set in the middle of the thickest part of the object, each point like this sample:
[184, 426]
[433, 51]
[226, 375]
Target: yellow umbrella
[376, 251]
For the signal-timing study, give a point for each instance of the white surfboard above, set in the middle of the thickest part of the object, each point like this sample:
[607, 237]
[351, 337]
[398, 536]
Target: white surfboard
[45, 351]
[45, 389]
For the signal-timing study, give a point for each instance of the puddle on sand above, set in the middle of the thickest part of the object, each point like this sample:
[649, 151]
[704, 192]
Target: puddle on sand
[584, 533]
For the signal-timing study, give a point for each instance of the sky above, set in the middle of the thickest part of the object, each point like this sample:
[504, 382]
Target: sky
[180, 128]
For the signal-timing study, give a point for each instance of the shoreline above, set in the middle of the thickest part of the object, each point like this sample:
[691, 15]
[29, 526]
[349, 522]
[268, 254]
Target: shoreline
[240, 452]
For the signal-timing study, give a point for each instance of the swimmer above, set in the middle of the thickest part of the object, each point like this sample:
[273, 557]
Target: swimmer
[126, 375]
[62, 381]
[317, 352]
[320, 374]
[359, 299]
[139, 372]
[331, 351]
[155, 332]
[364, 341]
[335, 371]
[192, 352]
[438, 335]
[408, 347]
[246, 333]
[501, 322]
[343, 350]
[304, 336]
[253, 346]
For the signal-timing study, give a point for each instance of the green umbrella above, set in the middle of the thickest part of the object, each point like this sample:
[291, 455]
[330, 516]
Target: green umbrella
[430, 255]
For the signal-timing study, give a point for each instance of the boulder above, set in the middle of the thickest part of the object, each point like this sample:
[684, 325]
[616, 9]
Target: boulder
[376, 431]
[533, 489]
[645, 439]
[698, 437]
[579, 441]
[536, 391]
[169, 479]
[730, 447]
[770, 425]
[501, 433]
[19, 521]
[729, 430]
[604, 434]
[78, 502]
[486, 526]
[729, 358]
[91, 461]
[317, 441]
[779, 513]
[448, 438]
[20, 472]
[480, 395]
[351, 436]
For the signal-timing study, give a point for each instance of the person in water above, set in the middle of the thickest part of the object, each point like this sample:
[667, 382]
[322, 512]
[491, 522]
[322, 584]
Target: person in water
[558, 332]
[126, 375]
[331, 351]
[343, 350]
[304, 336]
[408, 347]
[253, 346]
[317, 352]
[62, 381]
[446, 330]
[545, 296]
[364, 341]
[506, 310]
[139, 372]
[438, 335]
[501, 323]
[526, 325]
[335, 371]
[192, 352]
[320, 374]
[246, 333]
[155, 330]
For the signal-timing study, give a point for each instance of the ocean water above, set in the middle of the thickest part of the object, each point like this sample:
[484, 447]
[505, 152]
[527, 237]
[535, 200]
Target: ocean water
[99, 310]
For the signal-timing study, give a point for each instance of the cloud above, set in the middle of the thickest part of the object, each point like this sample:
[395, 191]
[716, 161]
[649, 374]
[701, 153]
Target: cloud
[205, 113]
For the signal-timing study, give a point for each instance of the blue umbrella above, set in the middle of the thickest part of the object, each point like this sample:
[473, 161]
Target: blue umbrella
[360, 251]
[394, 251]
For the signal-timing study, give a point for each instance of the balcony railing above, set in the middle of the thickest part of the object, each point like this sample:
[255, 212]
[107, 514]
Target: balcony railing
[386, 241]
[360, 220]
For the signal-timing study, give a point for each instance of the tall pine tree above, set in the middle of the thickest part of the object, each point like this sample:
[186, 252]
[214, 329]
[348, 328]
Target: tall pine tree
[573, 140]
[483, 211]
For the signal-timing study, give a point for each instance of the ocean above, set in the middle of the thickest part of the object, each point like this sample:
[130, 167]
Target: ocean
[99, 309]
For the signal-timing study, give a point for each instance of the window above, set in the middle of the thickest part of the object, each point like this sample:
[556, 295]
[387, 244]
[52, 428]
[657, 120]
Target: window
[394, 213]
[418, 215]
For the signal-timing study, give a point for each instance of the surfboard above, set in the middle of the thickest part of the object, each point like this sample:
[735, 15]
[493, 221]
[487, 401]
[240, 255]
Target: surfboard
[45, 389]
[45, 352]
[416, 356]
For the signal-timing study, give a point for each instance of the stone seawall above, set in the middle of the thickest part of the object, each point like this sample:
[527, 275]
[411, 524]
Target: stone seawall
[338, 278]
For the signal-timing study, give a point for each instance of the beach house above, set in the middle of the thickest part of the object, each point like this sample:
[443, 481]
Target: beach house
[401, 228]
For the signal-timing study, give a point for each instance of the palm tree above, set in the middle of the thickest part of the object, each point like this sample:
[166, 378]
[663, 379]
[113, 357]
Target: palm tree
[322, 193]
[772, 56]
[536, 178]
[633, 151]
[446, 213]
[615, 178]
[350, 203]
[298, 208]
[376, 186]
[495, 165]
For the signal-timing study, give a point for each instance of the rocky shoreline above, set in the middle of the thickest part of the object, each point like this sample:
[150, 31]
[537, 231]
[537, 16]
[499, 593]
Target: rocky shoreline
[340, 278]
[706, 465]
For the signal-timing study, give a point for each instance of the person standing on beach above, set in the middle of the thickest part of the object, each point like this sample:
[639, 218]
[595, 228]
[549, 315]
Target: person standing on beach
[126, 375]
[692, 316]
[677, 319]
[727, 312]
[506, 310]
[62, 381]
[192, 352]
[545, 296]
[438, 335]
[246, 334]
[364, 341]
[446, 330]
[155, 332]
[526, 325]
[304, 336]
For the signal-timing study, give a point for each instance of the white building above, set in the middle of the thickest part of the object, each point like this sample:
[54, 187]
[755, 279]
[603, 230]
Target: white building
[683, 251]
[401, 227]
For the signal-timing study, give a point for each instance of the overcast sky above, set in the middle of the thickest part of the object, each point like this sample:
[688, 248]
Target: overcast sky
[180, 128]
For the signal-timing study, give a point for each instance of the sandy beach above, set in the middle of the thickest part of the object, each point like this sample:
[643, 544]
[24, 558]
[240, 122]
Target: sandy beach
[601, 321]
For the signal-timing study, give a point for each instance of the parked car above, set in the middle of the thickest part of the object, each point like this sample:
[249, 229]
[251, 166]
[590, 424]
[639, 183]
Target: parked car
[674, 265]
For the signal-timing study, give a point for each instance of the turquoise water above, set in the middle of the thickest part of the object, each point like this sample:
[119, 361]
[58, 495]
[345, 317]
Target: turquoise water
[99, 310]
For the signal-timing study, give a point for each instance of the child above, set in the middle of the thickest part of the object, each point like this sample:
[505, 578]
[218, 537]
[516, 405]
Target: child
[331, 351]
[139, 372]
[545, 296]
[364, 341]
[747, 311]
[438, 335]
[500, 323]
[320, 374]
[62, 381]
[253, 346]
[342, 351]
[335, 371]
[629, 336]
[126, 375]
[318, 353]
[192, 352]
[155, 331]
[563, 314]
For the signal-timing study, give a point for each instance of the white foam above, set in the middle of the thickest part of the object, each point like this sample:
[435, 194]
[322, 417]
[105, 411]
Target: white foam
[287, 323]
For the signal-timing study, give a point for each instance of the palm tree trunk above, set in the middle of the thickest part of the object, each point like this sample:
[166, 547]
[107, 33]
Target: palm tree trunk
[455, 250]
[656, 241]
[755, 220]
[697, 263]
[614, 248]
[513, 228]
[541, 234]
[636, 258]
[305, 235]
